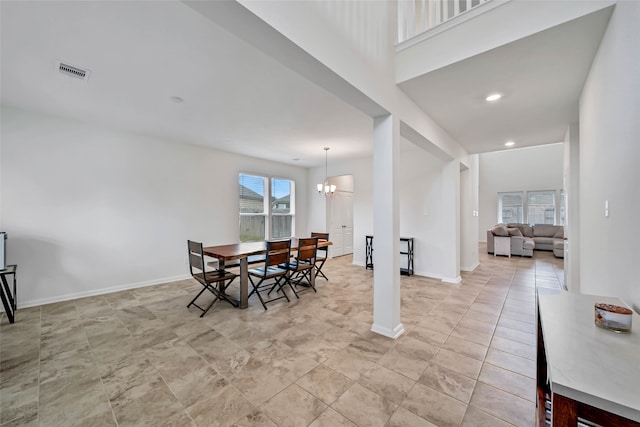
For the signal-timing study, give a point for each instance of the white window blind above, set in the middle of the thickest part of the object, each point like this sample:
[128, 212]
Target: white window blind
[541, 207]
[510, 207]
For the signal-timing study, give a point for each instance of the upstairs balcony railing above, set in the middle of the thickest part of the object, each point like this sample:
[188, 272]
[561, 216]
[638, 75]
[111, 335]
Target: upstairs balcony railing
[418, 16]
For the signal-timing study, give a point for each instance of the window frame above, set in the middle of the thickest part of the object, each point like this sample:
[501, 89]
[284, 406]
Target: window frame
[292, 206]
[547, 215]
[501, 207]
[558, 197]
[264, 212]
[268, 211]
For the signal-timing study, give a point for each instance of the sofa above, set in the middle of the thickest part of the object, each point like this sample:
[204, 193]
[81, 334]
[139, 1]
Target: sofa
[527, 238]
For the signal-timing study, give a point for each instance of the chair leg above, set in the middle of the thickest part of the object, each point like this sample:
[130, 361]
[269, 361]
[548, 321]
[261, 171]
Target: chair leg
[204, 288]
[256, 291]
[306, 274]
[213, 291]
[223, 295]
[287, 281]
[319, 270]
[209, 306]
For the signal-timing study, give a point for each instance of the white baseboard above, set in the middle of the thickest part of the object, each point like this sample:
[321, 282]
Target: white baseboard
[471, 268]
[454, 281]
[391, 333]
[94, 292]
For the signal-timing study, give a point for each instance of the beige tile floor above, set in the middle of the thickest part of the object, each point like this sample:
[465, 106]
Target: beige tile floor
[140, 357]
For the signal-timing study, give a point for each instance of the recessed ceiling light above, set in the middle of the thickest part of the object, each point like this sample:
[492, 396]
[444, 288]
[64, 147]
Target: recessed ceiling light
[176, 99]
[494, 97]
[509, 144]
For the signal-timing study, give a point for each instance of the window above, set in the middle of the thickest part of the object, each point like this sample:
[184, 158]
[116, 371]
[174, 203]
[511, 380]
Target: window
[510, 207]
[531, 207]
[541, 207]
[253, 213]
[263, 217]
[281, 208]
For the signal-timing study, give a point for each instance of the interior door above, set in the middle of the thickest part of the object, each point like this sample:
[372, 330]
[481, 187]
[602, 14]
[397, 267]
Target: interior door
[341, 223]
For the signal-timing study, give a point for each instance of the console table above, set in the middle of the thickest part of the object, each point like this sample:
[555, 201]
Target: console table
[585, 372]
[9, 297]
[406, 250]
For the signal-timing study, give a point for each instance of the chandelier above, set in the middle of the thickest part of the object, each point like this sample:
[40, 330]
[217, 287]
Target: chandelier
[328, 189]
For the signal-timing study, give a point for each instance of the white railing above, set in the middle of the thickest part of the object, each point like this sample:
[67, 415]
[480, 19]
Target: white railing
[418, 16]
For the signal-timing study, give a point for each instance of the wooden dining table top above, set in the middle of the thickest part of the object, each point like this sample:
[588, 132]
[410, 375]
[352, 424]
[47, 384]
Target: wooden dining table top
[244, 249]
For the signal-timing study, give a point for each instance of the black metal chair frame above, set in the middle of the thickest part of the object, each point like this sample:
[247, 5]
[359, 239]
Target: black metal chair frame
[208, 279]
[303, 265]
[278, 252]
[321, 260]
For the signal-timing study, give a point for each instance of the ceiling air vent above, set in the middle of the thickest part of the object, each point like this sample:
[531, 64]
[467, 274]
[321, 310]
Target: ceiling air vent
[70, 70]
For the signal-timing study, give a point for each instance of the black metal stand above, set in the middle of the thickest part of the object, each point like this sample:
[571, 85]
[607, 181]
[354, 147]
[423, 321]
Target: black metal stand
[369, 252]
[9, 299]
[407, 252]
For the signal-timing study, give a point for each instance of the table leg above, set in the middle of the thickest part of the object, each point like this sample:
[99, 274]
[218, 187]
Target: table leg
[312, 277]
[244, 283]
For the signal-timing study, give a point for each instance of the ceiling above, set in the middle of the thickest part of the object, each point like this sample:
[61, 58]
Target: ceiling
[540, 76]
[142, 53]
[240, 100]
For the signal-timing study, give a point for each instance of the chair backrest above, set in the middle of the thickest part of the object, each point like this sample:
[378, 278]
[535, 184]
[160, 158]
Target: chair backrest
[307, 248]
[196, 256]
[278, 252]
[321, 236]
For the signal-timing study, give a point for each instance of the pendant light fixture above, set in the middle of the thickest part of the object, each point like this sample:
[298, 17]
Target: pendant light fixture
[328, 189]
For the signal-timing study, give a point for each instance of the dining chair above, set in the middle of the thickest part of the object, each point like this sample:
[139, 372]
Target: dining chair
[322, 255]
[215, 281]
[278, 252]
[301, 267]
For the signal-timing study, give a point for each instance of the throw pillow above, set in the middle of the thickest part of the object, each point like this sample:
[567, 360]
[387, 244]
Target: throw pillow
[526, 230]
[514, 232]
[500, 230]
[559, 233]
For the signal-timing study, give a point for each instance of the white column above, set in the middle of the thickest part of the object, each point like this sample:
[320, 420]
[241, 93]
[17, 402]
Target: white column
[450, 209]
[386, 229]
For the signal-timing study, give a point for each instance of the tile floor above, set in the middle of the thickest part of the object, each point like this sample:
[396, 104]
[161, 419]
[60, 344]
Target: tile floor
[141, 358]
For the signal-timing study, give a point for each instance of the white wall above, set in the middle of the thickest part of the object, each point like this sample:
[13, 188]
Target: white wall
[89, 209]
[362, 172]
[468, 221]
[524, 169]
[355, 39]
[609, 156]
[423, 215]
[422, 212]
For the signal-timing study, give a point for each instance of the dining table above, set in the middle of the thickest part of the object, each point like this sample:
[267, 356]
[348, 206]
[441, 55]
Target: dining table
[241, 252]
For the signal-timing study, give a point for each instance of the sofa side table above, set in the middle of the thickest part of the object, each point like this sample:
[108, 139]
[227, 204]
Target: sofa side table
[502, 246]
